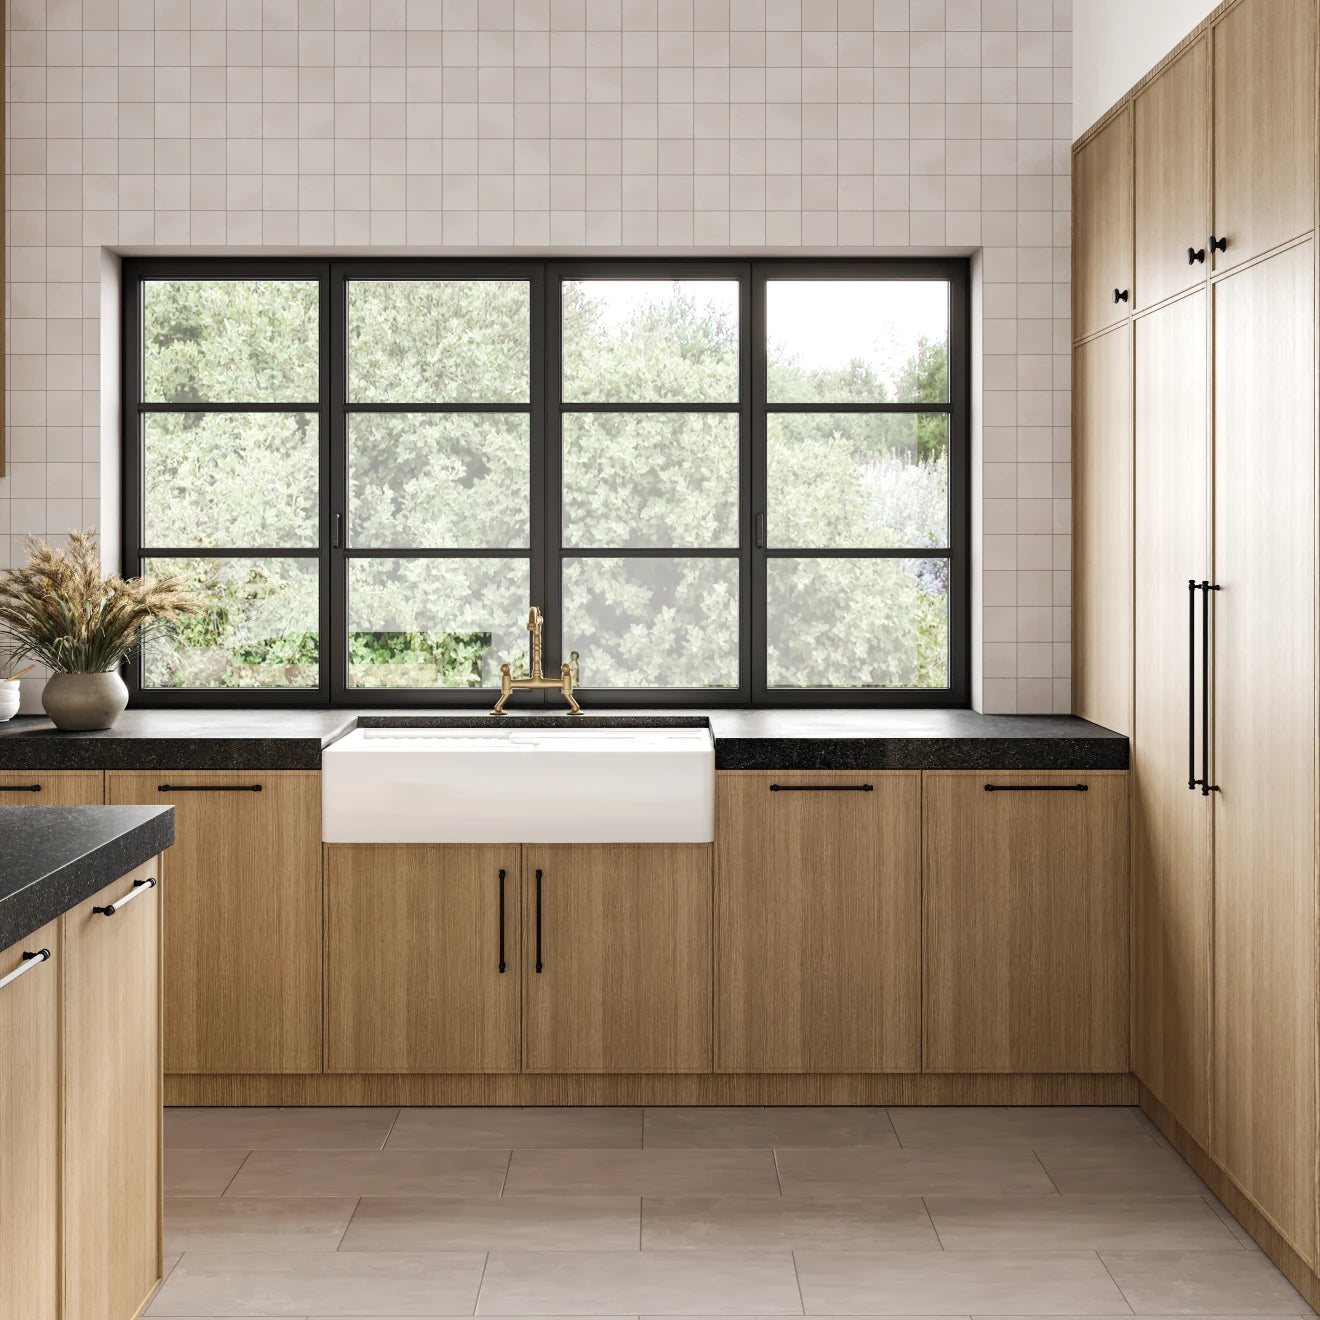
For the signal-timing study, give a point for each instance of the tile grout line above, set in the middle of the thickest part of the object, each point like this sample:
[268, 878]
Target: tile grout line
[508, 1164]
[394, 1122]
[1035, 1154]
[797, 1279]
[357, 1205]
[241, 1165]
[933, 1228]
[1104, 1265]
[481, 1282]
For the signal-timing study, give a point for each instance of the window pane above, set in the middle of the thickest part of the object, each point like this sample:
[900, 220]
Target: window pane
[439, 341]
[230, 479]
[231, 341]
[650, 479]
[652, 622]
[650, 341]
[857, 341]
[873, 480]
[261, 630]
[439, 480]
[858, 623]
[436, 623]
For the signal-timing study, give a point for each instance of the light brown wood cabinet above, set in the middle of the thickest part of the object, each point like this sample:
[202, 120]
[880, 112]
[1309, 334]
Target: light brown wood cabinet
[1264, 126]
[423, 948]
[111, 1131]
[1102, 227]
[1171, 178]
[52, 788]
[1102, 529]
[818, 964]
[243, 953]
[1025, 922]
[30, 1129]
[617, 958]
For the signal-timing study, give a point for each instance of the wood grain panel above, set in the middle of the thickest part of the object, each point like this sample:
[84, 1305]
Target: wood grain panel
[1172, 883]
[625, 983]
[1265, 126]
[413, 980]
[55, 788]
[1102, 226]
[1264, 703]
[1026, 923]
[818, 920]
[30, 1130]
[111, 1141]
[1102, 530]
[1171, 177]
[243, 954]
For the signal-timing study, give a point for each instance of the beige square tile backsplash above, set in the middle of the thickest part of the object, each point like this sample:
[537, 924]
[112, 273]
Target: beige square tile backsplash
[540, 125]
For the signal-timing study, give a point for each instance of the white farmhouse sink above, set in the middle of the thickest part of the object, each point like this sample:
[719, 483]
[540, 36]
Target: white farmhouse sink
[506, 785]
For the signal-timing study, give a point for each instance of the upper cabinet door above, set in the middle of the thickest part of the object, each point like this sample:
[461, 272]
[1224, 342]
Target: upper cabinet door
[1102, 227]
[1171, 178]
[1264, 126]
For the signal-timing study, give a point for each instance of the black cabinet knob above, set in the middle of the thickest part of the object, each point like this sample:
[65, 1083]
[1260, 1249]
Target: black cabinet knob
[1218, 244]
[1120, 295]
[1194, 255]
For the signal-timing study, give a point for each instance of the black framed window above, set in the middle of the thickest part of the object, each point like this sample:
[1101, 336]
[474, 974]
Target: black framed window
[725, 482]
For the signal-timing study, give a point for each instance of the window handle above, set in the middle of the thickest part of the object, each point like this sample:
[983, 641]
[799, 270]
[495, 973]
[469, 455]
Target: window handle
[760, 531]
[338, 538]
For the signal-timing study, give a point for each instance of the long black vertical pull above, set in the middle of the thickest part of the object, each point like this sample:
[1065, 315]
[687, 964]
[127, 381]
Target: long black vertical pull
[1192, 780]
[1206, 786]
[538, 921]
[503, 965]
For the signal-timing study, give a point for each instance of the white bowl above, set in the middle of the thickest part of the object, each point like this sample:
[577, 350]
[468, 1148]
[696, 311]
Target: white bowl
[9, 699]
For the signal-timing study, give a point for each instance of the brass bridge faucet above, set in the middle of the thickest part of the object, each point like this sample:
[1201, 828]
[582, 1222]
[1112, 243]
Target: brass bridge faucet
[568, 671]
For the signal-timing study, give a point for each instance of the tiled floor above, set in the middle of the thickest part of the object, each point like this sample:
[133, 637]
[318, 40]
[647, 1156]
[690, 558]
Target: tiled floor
[386, 1213]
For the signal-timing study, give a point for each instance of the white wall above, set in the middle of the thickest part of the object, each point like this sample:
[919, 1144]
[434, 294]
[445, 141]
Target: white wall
[1117, 41]
[535, 126]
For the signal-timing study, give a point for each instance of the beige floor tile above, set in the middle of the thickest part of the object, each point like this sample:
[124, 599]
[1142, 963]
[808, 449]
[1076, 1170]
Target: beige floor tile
[642, 1173]
[1202, 1283]
[630, 1283]
[372, 1173]
[510, 1223]
[881, 1172]
[201, 1172]
[1226, 1216]
[518, 1128]
[1087, 1223]
[291, 1283]
[257, 1223]
[768, 1127]
[939, 1128]
[762, 1222]
[1115, 1171]
[955, 1283]
[279, 1129]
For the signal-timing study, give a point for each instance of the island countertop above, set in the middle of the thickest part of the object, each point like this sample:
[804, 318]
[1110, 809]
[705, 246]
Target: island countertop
[745, 739]
[52, 858]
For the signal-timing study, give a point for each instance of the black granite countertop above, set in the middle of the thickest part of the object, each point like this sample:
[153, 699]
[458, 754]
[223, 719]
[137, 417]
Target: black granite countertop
[766, 739]
[52, 858]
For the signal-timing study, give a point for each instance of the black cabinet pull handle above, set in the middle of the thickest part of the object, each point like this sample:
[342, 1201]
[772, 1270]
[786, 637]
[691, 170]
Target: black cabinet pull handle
[822, 788]
[1192, 780]
[1206, 786]
[1195, 255]
[20, 788]
[139, 887]
[30, 960]
[1037, 788]
[502, 963]
[1120, 295]
[208, 788]
[1218, 244]
[538, 922]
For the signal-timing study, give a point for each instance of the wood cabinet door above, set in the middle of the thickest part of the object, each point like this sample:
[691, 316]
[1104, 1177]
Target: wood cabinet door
[243, 948]
[422, 958]
[1172, 899]
[1102, 226]
[52, 788]
[112, 1101]
[1264, 704]
[30, 1128]
[1026, 922]
[818, 920]
[1171, 178]
[617, 958]
[1265, 126]
[1102, 529]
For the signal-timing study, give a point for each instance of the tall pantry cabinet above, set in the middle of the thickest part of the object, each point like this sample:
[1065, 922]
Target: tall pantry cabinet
[1210, 431]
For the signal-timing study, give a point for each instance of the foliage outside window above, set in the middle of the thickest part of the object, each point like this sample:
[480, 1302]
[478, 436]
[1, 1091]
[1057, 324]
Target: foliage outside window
[724, 482]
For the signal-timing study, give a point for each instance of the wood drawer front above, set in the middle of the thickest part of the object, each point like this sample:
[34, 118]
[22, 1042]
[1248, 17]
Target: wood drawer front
[52, 788]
